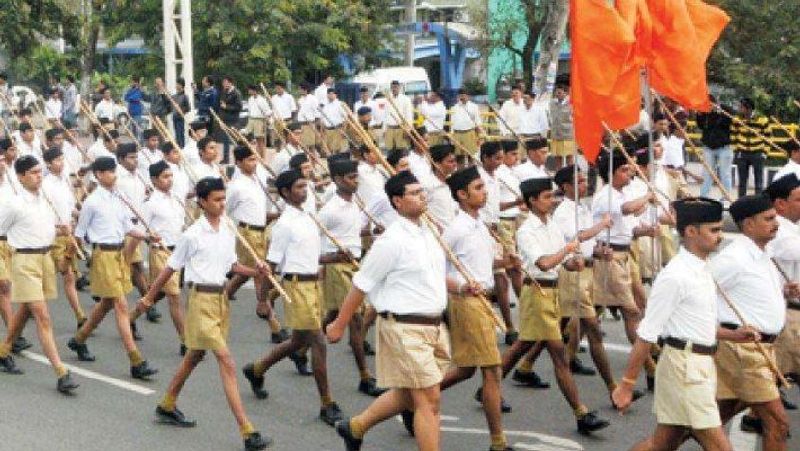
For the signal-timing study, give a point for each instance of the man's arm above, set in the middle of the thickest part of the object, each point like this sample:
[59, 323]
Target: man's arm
[351, 303]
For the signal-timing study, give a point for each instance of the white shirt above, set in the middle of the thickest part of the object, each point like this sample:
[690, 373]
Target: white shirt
[28, 221]
[404, 272]
[165, 216]
[321, 94]
[295, 244]
[206, 254]
[473, 245]
[509, 190]
[307, 108]
[33, 148]
[284, 105]
[441, 204]
[403, 104]
[131, 185]
[380, 208]
[533, 120]
[145, 158]
[785, 247]
[419, 166]
[246, 201]
[536, 240]
[465, 116]
[180, 182]
[59, 190]
[258, 107]
[490, 213]
[528, 170]
[202, 170]
[333, 114]
[673, 151]
[621, 232]
[103, 218]
[369, 104]
[72, 157]
[280, 162]
[371, 179]
[98, 149]
[682, 303]
[381, 109]
[104, 109]
[564, 217]
[52, 109]
[344, 221]
[435, 114]
[191, 153]
[510, 112]
[753, 285]
[789, 168]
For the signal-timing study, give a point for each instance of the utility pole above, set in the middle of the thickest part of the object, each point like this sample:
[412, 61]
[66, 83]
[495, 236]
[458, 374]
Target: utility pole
[178, 43]
[411, 18]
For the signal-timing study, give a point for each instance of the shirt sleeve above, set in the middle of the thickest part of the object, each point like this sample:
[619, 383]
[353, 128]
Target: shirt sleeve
[725, 270]
[183, 252]
[529, 250]
[7, 214]
[84, 219]
[786, 247]
[278, 244]
[664, 298]
[375, 267]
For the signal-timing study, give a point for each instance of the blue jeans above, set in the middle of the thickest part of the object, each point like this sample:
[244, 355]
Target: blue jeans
[178, 124]
[720, 160]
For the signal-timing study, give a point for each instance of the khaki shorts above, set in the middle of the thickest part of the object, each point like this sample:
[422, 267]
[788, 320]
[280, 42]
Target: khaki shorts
[256, 126]
[33, 278]
[158, 261]
[787, 346]
[686, 389]
[336, 284]
[395, 138]
[64, 255]
[612, 281]
[109, 274]
[743, 373]
[308, 137]
[410, 355]
[575, 288]
[303, 313]
[507, 232]
[668, 245]
[562, 148]
[136, 255]
[257, 240]
[539, 314]
[334, 140]
[468, 140]
[5, 260]
[472, 334]
[647, 264]
[207, 321]
[435, 138]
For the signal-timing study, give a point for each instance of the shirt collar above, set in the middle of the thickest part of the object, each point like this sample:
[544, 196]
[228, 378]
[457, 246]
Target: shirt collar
[750, 246]
[409, 226]
[692, 260]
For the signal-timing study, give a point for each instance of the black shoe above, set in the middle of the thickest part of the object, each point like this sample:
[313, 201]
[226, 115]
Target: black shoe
[81, 349]
[788, 405]
[504, 406]
[651, 383]
[153, 315]
[301, 363]
[142, 371]
[256, 382]
[7, 365]
[408, 421]
[135, 332]
[350, 442]
[255, 441]
[581, 349]
[507, 448]
[331, 413]
[635, 396]
[370, 388]
[65, 384]
[511, 337]
[577, 367]
[174, 417]
[529, 379]
[280, 336]
[368, 349]
[19, 345]
[752, 424]
[82, 283]
[615, 313]
[590, 423]
[183, 350]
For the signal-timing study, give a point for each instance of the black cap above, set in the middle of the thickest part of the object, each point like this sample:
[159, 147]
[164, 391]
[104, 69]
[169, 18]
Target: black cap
[241, 152]
[395, 83]
[489, 148]
[286, 179]
[342, 166]
[167, 147]
[782, 188]
[642, 157]
[605, 160]
[23, 127]
[460, 179]
[104, 164]
[331, 90]
[509, 144]
[305, 86]
[125, 149]
[440, 151]
[110, 135]
[565, 175]
[51, 154]
[199, 125]
[294, 126]
[297, 160]
[156, 169]
[207, 185]
[536, 143]
[364, 110]
[696, 210]
[25, 163]
[149, 133]
[749, 206]
[534, 187]
[363, 89]
[5, 144]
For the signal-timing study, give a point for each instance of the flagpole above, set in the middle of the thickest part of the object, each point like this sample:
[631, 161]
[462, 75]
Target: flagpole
[575, 316]
[648, 105]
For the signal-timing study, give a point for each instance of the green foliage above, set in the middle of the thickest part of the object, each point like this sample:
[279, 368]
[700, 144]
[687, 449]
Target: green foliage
[39, 63]
[475, 86]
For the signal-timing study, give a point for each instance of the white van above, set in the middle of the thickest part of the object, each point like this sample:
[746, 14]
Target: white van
[413, 80]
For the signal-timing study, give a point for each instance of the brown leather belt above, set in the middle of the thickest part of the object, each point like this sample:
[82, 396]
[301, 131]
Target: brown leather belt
[393, 127]
[33, 250]
[108, 247]
[376, 127]
[206, 288]
[793, 306]
[544, 283]
[508, 219]
[334, 128]
[294, 277]
[420, 320]
[765, 338]
[3, 238]
[252, 227]
[618, 247]
[463, 131]
[339, 257]
[678, 343]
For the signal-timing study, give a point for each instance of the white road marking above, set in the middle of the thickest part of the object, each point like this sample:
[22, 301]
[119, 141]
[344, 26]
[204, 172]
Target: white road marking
[740, 440]
[92, 375]
[449, 418]
[549, 442]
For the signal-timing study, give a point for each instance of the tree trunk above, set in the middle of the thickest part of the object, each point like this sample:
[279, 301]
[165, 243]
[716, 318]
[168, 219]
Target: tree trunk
[553, 35]
[90, 33]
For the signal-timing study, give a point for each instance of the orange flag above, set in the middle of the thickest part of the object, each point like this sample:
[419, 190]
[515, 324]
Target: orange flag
[601, 55]
[683, 33]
